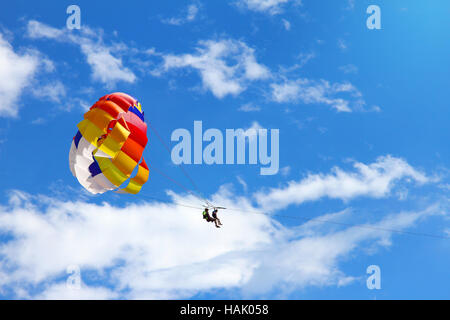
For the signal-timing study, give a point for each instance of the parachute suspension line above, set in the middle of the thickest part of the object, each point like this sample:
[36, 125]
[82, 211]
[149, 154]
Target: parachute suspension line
[199, 193]
[160, 172]
[209, 205]
[174, 202]
[363, 226]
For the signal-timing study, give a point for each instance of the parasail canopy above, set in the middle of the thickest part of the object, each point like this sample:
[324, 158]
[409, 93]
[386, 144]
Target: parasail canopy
[109, 145]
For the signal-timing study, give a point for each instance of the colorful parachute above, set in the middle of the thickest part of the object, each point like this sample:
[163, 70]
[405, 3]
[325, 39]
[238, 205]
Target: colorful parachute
[109, 144]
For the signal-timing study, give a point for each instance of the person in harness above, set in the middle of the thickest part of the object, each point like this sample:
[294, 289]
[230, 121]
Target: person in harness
[208, 218]
[215, 217]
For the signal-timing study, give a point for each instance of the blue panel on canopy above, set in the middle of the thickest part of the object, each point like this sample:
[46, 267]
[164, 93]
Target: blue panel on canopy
[77, 138]
[94, 168]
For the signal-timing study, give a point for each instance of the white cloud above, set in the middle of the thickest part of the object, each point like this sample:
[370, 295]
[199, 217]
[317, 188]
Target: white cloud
[350, 5]
[53, 91]
[242, 183]
[373, 180]
[305, 57]
[252, 131]
[161, 242]
[37, 29]
[106, 67]
[21, 72]
[376, 108]
[158, 250]
[192, 12]
[39, 120]
[190, 15]
[342, 44]
[313, 260]
[249, 107]
[225, 66]
[318, 92]
[285, 171]
[17, 72]
[60, 291]
[286, 24]
[272, 7]
[349, 69]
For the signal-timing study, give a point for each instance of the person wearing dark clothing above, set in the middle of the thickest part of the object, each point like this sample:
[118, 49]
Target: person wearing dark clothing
[214, 215]
[208, 218]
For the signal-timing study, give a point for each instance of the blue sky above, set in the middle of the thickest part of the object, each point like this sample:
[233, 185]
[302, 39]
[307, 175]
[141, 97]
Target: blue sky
[363, 119]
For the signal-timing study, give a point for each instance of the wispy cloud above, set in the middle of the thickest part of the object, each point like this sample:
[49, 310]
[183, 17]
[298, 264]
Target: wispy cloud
[242, 183]
[301, 60]
[106, 67]
[350, 5]
[17, 71]
[304, 58]
[285, 171]
[251, 256]
[188, 16]
[54, 91]
[349, 69]
[60, 291]
[342, 44]
[271, 7]
[286, 24]
[370, 180]
[318, 92]
[225, 66]
[250, 132]
[249, 107]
